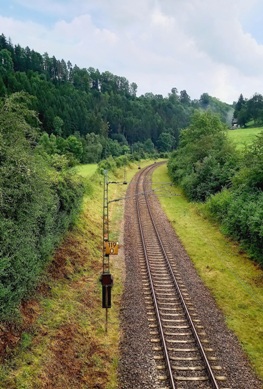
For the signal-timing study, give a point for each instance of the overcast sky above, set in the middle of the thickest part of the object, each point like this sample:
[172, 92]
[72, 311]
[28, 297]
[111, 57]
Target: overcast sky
[213, 46]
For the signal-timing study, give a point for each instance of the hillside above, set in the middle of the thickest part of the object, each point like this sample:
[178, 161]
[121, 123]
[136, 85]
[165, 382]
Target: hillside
[73, 101]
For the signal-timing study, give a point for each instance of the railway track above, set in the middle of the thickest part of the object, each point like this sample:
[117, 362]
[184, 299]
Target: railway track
[183, 356]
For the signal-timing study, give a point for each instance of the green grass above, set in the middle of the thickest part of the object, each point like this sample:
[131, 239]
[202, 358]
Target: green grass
[243, 137]
[235, 281]
[87, 170]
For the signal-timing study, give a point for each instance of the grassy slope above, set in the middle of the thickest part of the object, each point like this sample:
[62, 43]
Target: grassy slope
[244, 136]
[63, 342]
[86, 171]
[235, 282]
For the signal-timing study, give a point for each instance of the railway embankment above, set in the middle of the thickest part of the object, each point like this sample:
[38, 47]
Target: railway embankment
[61, 342]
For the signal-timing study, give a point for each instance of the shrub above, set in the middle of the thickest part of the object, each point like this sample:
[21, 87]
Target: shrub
[107, 164]
[205, 160]
[112, 163]
[240, 214]
[38, 204]
[217, 205]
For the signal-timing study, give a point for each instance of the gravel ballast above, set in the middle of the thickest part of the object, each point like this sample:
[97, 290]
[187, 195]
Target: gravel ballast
[137, 367]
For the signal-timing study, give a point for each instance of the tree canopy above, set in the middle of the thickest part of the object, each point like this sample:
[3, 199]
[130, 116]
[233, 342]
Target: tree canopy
[247, 110]
[73, 101]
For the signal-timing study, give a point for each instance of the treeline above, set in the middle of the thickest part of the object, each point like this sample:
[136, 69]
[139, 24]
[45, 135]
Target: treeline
[38, 203]
[247, 110]
[75, 102]
[210, 169]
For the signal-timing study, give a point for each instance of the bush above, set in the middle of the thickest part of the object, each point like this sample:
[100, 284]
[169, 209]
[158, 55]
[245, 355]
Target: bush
[38, 204]
[30, 232]
[107, 164]
[205, 160]
[240, 214]
[217, 205]
[240, 209]
[206, 164]
[121, 161]
[112, 163]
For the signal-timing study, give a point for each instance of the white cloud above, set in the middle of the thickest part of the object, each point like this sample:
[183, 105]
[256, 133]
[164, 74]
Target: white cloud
[162, 20]
[195, 45]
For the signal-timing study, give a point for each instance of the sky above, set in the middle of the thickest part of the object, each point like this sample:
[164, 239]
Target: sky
[201, 46]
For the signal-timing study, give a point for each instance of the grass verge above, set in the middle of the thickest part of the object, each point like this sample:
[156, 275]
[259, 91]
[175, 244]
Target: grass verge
[235, 281]
[61, 342]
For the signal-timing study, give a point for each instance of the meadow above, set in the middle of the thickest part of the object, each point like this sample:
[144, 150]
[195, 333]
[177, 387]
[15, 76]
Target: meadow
[243, 137]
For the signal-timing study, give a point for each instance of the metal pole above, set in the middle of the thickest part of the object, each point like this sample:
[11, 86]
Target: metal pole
[106, 257]
[106, 264]
[106, 321]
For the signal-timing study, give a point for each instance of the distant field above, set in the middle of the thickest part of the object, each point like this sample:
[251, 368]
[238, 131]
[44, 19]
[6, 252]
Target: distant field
[86, 170]
[244, 136]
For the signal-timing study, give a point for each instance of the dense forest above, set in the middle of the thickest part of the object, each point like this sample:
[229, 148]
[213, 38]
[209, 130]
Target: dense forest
[90, 115]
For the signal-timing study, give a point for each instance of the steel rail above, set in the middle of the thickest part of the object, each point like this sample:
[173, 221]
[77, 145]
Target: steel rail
[211, 375]
[162, 336]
